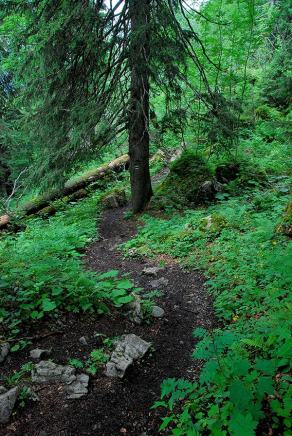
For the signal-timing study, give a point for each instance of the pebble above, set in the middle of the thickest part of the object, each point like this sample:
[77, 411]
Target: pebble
[157, 312]
[83, 340]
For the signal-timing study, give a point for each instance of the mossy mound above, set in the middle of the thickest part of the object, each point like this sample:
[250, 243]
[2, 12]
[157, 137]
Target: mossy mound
[212, 225]
[182, 186]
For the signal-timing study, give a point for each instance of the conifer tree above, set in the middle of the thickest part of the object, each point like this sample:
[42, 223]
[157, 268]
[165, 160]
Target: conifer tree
[85, 73]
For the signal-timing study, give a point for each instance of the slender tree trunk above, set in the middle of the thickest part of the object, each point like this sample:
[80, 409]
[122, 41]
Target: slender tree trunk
[139, 105]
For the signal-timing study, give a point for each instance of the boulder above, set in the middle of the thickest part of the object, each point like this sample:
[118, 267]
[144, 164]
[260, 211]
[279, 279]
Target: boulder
[38, 353]
[128, 349]
[4, 350]
[49, 373]
[181, 188]
[78, 388]
[7, 402]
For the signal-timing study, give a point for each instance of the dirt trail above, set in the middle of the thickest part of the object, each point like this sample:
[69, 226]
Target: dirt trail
[113, 407]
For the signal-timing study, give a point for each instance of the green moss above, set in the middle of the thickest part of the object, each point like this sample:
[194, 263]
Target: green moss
[212, 225]
[181, 187]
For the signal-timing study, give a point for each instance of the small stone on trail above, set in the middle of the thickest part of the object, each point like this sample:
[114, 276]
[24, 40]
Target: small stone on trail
[7, 402]
[159, 282]
[152, 270]
[38, 353]
[4, 350]
[129, 348]
[135, 309]
[157, 312]
[83, 340]
[50, 373]
[78, 388]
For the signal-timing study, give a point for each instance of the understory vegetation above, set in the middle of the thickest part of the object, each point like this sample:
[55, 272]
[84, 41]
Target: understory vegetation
[202, 95]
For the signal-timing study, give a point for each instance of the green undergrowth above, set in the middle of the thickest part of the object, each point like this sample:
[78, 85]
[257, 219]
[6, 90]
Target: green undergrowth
[245, 383]
[42, 271]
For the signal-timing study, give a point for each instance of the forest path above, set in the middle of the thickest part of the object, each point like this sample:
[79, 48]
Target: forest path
[187, 305]
[113, 406]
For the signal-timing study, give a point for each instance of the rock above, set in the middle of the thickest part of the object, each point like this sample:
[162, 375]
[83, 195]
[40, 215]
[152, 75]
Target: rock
[4, 220]
[78, 388]
[114, 200]
[158, 157]
[49, 372]
[159, 283]
[176, 155]
[2, 390]
[152, 271]
[4, 350]
[83, 340]
[213, 224]
[128, 349]
[7, 402]
[38, 353]
[225, 173]
[158, 312]
[135, 312]
[209, 189]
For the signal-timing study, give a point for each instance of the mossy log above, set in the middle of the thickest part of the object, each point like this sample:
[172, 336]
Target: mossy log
[73, 189]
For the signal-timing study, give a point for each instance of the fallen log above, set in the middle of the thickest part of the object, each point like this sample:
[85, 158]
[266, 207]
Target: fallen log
[73, 189]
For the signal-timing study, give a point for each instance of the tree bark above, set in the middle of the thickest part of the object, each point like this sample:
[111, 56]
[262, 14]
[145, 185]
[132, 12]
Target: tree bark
[139, 104]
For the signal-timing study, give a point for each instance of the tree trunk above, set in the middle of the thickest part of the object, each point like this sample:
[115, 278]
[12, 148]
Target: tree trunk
[139, 104]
